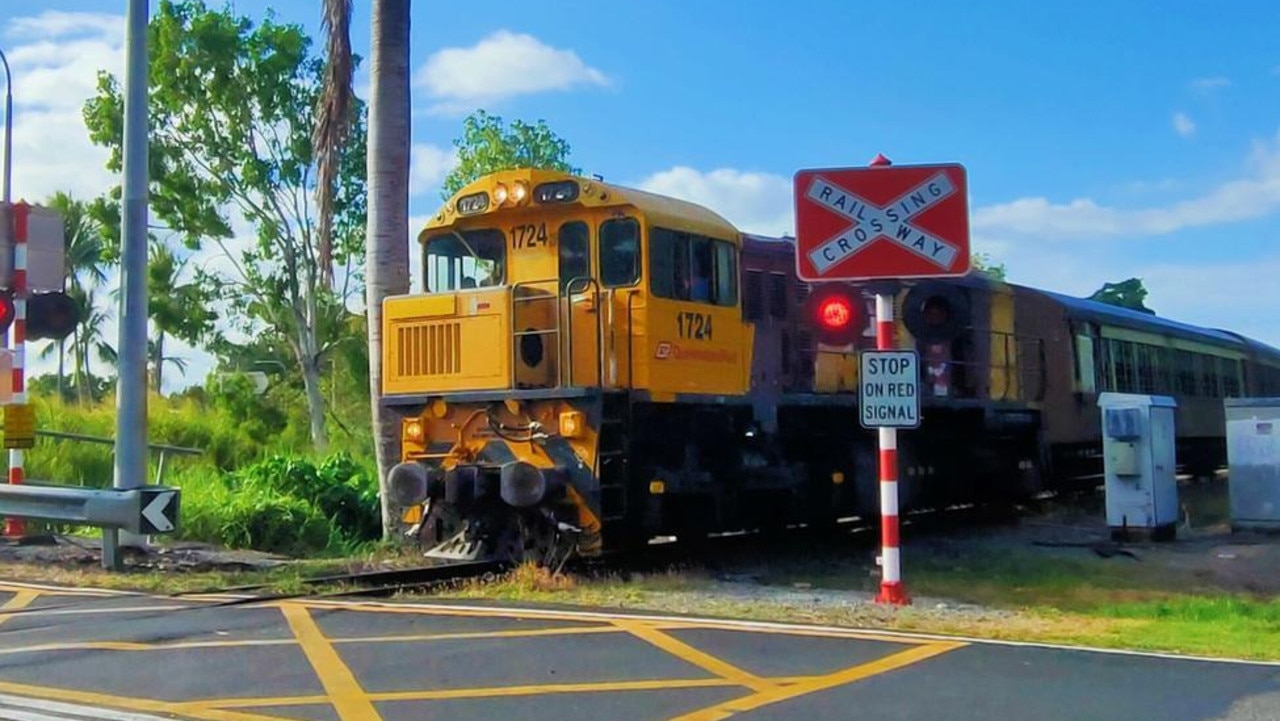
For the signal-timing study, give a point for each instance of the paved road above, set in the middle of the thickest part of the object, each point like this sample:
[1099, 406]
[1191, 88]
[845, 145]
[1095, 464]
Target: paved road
[73, 655]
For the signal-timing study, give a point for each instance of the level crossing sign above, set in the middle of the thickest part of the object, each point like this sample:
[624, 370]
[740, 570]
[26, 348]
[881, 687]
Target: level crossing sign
[882, 222]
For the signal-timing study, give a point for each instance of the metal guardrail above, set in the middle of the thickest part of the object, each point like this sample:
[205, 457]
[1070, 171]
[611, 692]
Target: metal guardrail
[103, 440]
[145, 510]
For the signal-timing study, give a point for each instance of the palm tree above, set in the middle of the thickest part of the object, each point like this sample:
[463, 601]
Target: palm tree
[387, 231]
[84, 260]
[89, 337]
[176, 309]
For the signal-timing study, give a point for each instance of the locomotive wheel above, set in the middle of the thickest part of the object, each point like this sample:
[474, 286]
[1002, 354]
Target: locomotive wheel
[532, 538]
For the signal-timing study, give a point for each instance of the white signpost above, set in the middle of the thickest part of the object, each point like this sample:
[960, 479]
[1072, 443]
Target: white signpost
[889, 389]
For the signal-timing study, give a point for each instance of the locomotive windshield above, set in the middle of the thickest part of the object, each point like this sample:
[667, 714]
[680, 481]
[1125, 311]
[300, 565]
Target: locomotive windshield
[457, 260]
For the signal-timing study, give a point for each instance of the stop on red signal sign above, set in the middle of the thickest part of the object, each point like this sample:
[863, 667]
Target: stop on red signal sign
[907, 221]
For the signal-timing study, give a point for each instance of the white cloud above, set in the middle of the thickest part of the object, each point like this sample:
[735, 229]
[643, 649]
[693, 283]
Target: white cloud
[502, 65]
[1255, 195]
[57, 24]
[1199, 294]
[55, 61]
[1183, 125]
[428, 166]
[1207, 85]
[755, 202]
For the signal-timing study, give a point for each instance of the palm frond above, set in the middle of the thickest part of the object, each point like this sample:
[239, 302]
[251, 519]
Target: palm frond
[333, 123]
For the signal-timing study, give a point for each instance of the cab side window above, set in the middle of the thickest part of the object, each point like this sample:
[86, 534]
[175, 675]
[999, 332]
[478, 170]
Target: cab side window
[619, 252]
[695, 268]
[575, 253]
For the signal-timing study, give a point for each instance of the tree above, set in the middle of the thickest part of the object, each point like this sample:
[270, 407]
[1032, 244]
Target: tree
[387, 258]
[177, 309]
[387, 251]
[333, 122]
[1125, 294]
[982, 263]
[487, 146]
[89, 338]
[231, 108]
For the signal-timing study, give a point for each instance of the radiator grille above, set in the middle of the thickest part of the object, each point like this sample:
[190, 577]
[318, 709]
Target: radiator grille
[430, 349]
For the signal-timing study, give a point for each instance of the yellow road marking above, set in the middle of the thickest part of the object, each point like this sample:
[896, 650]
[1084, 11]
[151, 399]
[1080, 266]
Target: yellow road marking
[134, 646]
[103, 611]
[20, 600]
[467, 635]
[702, 659]
[129, 703]
[819, 683]
[345, 693]
[62, 590]
[585, 617]
[487, 692]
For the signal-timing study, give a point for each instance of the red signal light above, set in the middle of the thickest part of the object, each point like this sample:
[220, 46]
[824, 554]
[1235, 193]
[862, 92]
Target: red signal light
[7, 312]
[833, 312]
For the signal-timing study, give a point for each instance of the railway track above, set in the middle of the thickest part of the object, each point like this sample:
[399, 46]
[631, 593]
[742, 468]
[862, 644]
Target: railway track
[708, 553]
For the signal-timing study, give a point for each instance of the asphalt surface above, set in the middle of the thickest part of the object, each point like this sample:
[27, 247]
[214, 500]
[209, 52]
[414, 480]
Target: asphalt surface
[73, 655]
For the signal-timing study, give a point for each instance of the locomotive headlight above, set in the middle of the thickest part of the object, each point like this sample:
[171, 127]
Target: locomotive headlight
[413, 431]
[500, 194]
[519, 191]
[572, 424]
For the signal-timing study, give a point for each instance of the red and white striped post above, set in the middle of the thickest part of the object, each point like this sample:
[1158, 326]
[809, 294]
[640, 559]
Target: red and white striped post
[21, 213]
[891, 588]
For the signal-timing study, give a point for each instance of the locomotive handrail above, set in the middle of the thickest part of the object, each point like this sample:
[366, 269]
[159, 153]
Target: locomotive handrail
[631, 380]
[568, 294]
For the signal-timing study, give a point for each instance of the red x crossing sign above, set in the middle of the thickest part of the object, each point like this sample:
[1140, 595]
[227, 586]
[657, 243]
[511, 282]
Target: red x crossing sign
[909, 221]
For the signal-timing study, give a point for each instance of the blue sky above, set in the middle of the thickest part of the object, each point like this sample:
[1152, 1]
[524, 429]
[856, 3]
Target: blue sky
[1102, 140]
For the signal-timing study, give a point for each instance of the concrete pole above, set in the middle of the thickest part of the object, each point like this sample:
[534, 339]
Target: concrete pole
[131, 385]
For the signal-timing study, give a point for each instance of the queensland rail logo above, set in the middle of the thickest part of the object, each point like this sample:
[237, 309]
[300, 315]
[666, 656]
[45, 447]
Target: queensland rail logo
[666, 350]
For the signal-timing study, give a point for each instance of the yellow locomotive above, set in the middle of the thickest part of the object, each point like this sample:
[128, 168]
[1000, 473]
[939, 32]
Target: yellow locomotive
[588, 366]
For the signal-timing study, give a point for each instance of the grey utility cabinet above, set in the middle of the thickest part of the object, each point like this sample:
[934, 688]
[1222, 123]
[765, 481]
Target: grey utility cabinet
[1253, 462]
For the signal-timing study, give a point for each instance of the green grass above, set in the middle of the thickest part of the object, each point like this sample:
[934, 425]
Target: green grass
[1210, 625]
[256, 485]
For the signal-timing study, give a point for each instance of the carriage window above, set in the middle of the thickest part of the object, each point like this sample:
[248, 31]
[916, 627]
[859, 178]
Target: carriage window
[726, 274]
[700, 276]
[1085, 378]
[575, 254]
[619, 252]
[466, 259]
[1185, 373]
[1231, 378]
[690, 267]
[668, 262]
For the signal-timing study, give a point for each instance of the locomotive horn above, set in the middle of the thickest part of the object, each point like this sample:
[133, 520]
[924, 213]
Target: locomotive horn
[936, 312]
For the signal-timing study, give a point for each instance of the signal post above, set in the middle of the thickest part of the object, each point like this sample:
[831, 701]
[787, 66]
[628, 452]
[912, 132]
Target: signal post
[33, 306]
[883, 223]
